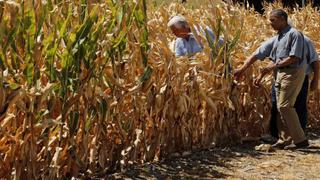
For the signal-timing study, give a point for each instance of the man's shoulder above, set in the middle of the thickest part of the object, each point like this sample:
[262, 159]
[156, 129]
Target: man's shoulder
[179, 40]
[294, 32]
[209, 31]
[270, 40]
[307, 39]
[207, 28]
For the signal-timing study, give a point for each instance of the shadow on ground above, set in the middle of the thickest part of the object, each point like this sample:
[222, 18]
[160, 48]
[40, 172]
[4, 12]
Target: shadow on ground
[201, 164]
[207, 164]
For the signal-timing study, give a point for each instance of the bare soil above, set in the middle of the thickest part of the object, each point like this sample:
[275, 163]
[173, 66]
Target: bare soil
[238, 162]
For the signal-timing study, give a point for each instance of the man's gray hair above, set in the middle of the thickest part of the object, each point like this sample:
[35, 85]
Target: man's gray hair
[280, 13]
[178, 22]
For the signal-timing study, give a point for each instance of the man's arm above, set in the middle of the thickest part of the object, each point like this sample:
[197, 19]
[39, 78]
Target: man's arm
[238, 72]
[257, 81]
[271, 66]
[287, 61]
[261, 53]
[296, 50]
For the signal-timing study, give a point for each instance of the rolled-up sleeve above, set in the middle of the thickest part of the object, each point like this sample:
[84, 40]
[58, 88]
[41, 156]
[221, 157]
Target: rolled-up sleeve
[264, 50]
[296, 45]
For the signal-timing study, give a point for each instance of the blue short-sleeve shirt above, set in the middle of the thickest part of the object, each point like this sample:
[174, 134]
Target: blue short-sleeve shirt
[289, 42]
[185, 47]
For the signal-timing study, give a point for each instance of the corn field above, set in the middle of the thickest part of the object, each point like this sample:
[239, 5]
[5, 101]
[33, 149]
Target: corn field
[89, 87]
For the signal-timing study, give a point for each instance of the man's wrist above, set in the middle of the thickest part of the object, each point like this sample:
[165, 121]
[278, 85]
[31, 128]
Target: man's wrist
[243, 67]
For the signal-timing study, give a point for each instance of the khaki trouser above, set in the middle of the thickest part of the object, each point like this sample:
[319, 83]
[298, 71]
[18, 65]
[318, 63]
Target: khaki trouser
[288, 85]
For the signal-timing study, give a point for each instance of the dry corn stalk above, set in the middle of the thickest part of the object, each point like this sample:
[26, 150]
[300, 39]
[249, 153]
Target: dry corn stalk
[89, 87]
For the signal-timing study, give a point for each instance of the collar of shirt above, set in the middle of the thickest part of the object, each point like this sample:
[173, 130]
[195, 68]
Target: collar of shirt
[191, 36]
[284, 31]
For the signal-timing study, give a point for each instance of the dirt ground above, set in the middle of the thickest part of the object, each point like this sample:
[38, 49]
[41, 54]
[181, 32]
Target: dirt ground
[239, 162]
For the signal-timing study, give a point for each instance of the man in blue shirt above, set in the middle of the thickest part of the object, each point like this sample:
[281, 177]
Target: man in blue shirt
[301, 102]
[286, 51]
[187, 43]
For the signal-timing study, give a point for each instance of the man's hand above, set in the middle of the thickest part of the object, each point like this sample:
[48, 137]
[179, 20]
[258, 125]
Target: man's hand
[238, 72]
[271, 66]
[314, 84]
[257, 81]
